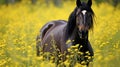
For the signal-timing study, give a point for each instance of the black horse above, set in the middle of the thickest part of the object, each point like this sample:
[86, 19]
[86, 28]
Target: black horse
[77, 28]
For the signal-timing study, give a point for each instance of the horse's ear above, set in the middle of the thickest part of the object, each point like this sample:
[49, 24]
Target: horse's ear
[78, 3]
[89, 3]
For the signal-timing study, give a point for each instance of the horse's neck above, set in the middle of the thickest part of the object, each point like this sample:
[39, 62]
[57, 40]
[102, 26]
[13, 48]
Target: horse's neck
[75, 39]
[78, 40]
[74, 34]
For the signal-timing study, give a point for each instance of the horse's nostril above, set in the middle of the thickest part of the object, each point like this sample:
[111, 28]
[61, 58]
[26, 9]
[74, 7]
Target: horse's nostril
[83, 34]
[80, 34]
[80, 31]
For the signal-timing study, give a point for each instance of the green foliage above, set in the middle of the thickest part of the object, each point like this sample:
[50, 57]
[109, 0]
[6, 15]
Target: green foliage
[2, 1]
[112, 2]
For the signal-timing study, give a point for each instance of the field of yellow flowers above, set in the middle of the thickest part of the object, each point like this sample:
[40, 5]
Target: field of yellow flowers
[20, 23]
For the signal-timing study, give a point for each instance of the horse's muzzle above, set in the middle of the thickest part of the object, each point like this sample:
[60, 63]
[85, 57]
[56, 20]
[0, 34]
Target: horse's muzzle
[83, 34]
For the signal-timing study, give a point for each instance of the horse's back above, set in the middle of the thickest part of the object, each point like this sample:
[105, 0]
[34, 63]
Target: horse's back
[51, 28]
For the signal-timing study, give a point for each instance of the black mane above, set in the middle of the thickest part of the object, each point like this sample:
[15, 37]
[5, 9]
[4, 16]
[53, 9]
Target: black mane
[71, 24]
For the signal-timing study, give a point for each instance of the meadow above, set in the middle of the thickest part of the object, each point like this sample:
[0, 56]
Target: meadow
[20, 24]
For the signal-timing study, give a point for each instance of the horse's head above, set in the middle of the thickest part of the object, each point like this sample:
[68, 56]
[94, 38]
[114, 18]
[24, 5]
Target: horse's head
[84, 17]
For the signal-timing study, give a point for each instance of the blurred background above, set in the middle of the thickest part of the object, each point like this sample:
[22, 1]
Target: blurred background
[21, 20]
[57, 2]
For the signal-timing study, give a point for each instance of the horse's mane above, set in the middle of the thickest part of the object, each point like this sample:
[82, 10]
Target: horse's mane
[71, 24]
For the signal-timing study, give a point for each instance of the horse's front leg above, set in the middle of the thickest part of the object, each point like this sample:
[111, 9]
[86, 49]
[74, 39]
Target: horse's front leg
[90, 49]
